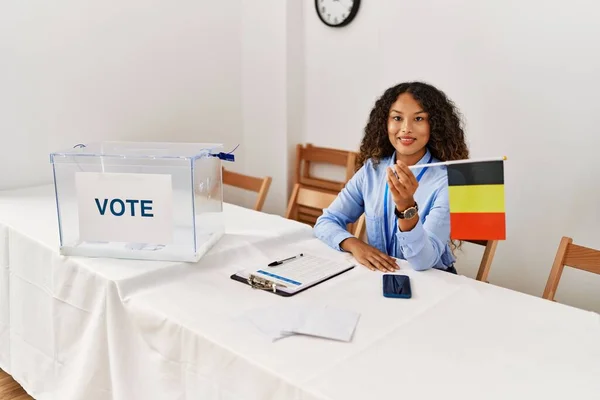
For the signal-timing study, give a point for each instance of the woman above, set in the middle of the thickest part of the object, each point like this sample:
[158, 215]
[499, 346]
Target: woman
[407, 211]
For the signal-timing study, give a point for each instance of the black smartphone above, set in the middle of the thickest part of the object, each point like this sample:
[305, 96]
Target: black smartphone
[396, 286]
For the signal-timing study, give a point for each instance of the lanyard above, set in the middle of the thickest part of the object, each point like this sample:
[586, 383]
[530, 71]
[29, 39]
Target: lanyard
[389, 244]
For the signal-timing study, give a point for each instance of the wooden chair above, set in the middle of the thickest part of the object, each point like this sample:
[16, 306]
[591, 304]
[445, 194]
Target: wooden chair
[308, 154]
[571, 255]
[358, 228]
[251, 183]
[306, 198]
[306, 204]
[486, 260]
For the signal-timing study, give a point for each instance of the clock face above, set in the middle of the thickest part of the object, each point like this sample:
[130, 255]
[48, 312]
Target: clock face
[337, 13]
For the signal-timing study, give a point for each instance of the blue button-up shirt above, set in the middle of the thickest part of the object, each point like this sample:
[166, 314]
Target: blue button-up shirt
[426, 246]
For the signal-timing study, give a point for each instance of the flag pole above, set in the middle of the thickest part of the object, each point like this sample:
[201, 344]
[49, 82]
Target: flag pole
[416, 166]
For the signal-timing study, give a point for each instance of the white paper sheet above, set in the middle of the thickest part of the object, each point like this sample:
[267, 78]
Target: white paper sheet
[269, 321]
[320, 321]
[325, 322]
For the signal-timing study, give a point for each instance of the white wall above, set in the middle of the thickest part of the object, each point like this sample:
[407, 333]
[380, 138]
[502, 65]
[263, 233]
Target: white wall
[526, 75]
[82, 71]
[191, 71]
[272, 92]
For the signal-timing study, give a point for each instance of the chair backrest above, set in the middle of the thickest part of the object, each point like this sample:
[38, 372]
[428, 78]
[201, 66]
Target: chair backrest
[306, 204]
[486, 259]
[251, 183]
[570, 255]
[308, 154]
[358, 228]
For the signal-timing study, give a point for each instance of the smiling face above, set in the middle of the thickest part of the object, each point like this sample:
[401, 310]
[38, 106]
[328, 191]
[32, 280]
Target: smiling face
[408, 129]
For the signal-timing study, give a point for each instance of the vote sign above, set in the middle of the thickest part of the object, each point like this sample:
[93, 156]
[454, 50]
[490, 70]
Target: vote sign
[118, 207]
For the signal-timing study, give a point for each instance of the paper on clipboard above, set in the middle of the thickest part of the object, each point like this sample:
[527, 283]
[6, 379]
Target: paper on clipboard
[300, 273]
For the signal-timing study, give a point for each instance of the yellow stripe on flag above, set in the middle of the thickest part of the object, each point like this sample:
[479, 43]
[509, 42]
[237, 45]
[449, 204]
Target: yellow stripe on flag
[476, 198]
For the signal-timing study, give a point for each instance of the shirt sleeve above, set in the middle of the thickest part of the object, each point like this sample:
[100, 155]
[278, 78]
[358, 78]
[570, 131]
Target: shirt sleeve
[331, 226]
[424, 245]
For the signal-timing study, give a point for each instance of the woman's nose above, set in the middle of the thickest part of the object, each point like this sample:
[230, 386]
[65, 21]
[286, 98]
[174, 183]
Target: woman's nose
[405, 126]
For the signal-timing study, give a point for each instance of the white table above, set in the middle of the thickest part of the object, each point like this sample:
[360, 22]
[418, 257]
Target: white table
[115, 329]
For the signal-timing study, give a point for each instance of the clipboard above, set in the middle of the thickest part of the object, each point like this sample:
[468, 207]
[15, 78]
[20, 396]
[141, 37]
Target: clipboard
[263, 283]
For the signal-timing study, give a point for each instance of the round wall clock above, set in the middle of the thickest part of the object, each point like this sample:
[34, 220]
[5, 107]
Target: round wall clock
[337, 13]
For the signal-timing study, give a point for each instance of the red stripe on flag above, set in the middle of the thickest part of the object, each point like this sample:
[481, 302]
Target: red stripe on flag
[477, 226]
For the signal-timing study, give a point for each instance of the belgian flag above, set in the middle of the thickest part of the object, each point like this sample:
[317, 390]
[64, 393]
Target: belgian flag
[476, 196]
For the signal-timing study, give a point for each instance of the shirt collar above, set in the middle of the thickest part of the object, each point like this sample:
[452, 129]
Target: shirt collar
[423, 159]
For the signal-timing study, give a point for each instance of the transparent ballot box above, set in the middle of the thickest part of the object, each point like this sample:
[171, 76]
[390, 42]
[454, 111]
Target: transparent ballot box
[146, 201]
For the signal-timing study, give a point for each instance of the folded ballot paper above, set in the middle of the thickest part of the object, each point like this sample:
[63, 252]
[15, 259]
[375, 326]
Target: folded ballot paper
[320, 321]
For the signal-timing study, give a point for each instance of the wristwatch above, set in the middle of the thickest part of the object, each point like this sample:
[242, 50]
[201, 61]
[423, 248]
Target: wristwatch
[409, 213]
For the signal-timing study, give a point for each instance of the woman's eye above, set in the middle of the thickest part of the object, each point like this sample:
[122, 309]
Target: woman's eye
[397, 118]
[419, 119]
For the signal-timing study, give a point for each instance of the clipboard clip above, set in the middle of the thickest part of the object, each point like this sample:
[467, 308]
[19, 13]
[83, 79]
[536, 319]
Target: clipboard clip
[256, 282]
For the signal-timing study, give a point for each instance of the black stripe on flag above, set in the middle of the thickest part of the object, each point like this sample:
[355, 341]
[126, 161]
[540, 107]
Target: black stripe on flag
[476, 173]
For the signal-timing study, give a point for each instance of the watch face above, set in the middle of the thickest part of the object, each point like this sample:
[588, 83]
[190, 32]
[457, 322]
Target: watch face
[410, 213]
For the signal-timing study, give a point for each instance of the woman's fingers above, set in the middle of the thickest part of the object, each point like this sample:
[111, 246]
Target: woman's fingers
[383, 262]
[364, 261]
[386, 264]
[408, 173]
[404, 177]
[390, 262]
[377, 263]
[368, 264]
[374, 259]
[392, 187]
[395, 184]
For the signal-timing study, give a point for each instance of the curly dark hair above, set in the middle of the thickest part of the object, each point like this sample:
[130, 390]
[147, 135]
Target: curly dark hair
[446, 141]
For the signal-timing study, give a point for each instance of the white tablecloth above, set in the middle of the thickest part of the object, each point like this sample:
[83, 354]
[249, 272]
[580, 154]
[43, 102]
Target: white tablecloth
[122, 329]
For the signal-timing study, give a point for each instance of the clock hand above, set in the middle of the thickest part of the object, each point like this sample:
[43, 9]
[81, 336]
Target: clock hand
[345, 5]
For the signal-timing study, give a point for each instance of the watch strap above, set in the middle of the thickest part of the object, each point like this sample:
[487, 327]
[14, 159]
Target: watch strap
[401, 215]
